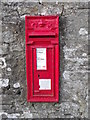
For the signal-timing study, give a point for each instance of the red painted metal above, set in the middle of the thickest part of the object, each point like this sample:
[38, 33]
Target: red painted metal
[42, 32]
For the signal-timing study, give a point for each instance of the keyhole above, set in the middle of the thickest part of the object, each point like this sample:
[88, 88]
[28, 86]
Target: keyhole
[38, 75]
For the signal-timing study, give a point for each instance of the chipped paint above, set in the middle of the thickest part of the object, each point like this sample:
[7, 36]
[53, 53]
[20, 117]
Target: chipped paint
[2, 63]
[4, 82]
[16, 85]
[83, 31]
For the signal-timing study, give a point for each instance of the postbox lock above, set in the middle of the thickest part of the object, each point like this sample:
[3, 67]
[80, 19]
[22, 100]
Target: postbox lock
[38, 75]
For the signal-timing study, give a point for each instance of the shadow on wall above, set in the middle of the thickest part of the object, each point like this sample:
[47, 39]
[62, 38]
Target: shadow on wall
[62, 23]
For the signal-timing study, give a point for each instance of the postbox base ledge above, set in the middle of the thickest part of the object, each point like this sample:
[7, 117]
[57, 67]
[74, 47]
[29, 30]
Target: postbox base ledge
[43, 100]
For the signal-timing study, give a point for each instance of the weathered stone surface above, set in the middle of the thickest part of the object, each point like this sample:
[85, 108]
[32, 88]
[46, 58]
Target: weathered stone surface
[7, 100]
[9, 69]
[73, 89]
[2, 63]
[16, 85]
[4, 82]
[3, 49]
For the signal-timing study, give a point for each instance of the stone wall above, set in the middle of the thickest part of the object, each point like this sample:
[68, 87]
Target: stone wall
[73, 99]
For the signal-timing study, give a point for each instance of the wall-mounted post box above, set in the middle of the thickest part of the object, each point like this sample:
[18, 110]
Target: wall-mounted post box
[42, 58]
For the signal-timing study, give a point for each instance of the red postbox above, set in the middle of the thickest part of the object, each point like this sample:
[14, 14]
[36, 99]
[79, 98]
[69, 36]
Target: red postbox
[42, 58]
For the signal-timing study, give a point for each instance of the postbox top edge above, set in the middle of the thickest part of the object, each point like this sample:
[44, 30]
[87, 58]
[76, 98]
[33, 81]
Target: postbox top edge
[47, 16]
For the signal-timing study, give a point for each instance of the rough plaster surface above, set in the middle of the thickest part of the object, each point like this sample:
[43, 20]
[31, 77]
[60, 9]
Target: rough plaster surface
[73, 61]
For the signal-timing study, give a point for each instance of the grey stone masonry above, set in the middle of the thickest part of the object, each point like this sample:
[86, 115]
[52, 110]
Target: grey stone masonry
[73, 90]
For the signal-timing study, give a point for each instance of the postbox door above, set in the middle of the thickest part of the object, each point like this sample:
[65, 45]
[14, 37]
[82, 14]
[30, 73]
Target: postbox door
[43, 70]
